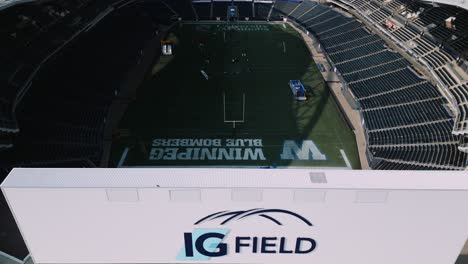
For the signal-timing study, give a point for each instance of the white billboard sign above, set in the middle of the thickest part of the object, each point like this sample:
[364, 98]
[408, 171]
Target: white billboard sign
[239, 215]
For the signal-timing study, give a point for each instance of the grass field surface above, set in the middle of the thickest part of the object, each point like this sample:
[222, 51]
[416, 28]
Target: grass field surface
[225, 72]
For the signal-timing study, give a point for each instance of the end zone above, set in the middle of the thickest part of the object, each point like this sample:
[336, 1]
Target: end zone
[228, 153]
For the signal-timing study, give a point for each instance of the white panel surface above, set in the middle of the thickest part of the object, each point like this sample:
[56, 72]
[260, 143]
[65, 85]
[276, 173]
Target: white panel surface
[65, 215]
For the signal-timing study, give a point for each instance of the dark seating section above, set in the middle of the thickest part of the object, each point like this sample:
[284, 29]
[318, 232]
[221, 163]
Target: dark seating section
[6, 142]
[460, 93]
[405, 116]
[22, 45]
[419, 92]
[31, 32]
[405, 34]
[7, 120]
[245, 9]
[159, 11]
[357, 51]
[350, 43]
[203, 10]
[420, 133]
[312, 12]
[429, 38]
[326, 22]
[220, 9]
[256, 11]
[63, 114]
[353, 32]
[262, 10]
[435, 17]
[302, 9]
[436, 154]
[183, 9]
[376, 70]
[283, 8]
[22, 23]
[380, 58]
[385, 83]
[389, 165]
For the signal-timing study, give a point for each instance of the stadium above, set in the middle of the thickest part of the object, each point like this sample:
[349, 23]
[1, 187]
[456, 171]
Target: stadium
[337, 84]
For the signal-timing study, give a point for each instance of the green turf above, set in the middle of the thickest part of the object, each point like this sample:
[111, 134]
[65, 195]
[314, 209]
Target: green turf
[179, 103]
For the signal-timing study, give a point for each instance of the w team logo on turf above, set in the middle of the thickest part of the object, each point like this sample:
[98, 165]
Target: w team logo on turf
[307, 151]
[206, 243]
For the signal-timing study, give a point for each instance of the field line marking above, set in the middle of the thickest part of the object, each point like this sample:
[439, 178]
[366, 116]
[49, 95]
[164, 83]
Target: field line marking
[343, 154]
[123, 157]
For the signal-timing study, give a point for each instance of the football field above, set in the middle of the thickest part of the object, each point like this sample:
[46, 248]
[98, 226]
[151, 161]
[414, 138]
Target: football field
[224, 100]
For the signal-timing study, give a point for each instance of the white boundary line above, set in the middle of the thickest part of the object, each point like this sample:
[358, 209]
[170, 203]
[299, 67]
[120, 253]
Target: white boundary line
[122, 158]
[343, 154]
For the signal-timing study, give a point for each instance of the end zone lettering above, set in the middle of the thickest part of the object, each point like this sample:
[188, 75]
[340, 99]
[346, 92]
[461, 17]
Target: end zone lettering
[206, 142]
[187, 142]
[206, 149]
[207, 154]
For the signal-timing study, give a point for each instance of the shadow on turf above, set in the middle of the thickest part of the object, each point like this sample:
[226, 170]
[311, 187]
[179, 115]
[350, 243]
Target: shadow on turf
[320, 107]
